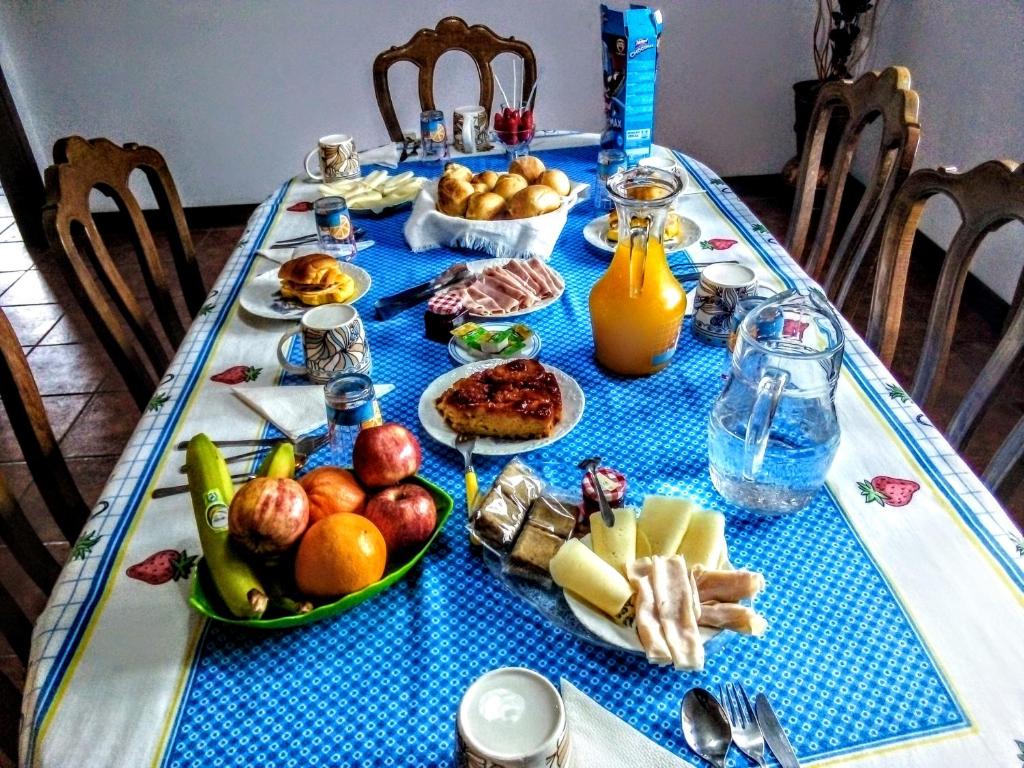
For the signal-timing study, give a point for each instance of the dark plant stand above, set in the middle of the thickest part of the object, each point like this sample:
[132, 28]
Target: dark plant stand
[805, 93]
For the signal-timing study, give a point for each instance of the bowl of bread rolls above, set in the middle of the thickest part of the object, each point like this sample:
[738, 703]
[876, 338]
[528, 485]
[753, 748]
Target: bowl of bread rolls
[528, 189]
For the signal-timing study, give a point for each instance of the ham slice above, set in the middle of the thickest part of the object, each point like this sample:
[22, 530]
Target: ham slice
[647, 623]
[667, 611]
[494, 292]
[535, 278]
[726, 586]
[514, 286]
[547, 273]
[511, 285]
[738, 618]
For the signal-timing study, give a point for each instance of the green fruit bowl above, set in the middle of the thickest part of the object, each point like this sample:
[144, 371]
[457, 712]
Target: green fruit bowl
[205, 600]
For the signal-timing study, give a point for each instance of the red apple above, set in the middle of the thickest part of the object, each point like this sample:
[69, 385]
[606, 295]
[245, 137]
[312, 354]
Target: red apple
[268, 515]
[404, 514]
[386, 455]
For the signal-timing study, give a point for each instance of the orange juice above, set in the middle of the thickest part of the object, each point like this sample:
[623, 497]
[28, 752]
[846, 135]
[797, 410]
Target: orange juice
[636, 309]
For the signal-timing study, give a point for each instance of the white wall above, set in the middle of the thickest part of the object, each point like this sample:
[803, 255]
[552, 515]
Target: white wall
[233, 93]
[967, 62]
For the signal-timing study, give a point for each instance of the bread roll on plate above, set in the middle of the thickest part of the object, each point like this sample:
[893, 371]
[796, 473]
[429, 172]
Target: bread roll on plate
[508, 184]
[453, 195]
[458, 171]
[485, 206]
[527, 166]
[535, 200]
[557, 180]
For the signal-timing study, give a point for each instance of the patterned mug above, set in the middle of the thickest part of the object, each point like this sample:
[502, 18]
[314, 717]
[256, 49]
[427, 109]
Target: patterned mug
[333, 340]
[470, 131]
[338, 158]
[721, 286]
[512, 717]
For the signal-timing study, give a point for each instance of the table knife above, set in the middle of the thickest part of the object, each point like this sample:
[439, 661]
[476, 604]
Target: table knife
[389, 306]
[773, 733]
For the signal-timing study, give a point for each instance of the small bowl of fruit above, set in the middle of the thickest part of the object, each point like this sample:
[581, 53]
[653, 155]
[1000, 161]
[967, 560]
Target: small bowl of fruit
[284, 551]
[514, 129]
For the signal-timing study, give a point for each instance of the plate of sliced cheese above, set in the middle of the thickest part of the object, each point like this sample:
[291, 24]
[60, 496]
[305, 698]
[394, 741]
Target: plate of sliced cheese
[659, 584]
[376, 192]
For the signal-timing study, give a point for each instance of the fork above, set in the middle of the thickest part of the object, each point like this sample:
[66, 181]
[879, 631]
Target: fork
[304, 446]
[746, 733]
[172, 490]
[465, 444]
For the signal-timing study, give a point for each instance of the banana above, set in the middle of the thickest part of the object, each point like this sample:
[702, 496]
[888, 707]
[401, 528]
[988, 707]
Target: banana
[279, 462]
[209, 481]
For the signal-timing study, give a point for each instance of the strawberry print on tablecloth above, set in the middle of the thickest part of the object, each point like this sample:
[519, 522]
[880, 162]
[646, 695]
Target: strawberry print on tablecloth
[237, 374]
[717, 244]
[163, 566]
[888, 491]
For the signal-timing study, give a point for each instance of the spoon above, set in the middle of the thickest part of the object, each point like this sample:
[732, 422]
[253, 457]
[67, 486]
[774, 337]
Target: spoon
[591, 465]
[706, 726]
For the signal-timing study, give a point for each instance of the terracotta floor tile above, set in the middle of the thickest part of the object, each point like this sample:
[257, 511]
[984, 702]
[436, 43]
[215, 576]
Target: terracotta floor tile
[16, 475]
[7, 279]
[36, 287]
[104, 426]
[90, 473]
[62, 411]
[32, 322]
[70, 329]
[68, 368]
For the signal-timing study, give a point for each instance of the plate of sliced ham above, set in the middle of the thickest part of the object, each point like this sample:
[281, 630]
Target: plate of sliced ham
[501, 288]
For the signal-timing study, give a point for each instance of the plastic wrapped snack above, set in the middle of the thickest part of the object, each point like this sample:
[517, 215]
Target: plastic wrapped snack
[498, 518]
[549, 523]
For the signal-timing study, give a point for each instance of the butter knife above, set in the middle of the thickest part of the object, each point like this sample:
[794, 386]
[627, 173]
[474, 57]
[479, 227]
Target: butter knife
[773, 733]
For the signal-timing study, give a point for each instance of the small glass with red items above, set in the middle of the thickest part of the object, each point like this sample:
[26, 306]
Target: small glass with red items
[514, 129]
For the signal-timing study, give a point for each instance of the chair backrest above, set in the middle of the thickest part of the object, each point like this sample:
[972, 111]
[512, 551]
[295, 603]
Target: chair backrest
[427, 46]
[888, 96]
[987, 197]
[122, 322]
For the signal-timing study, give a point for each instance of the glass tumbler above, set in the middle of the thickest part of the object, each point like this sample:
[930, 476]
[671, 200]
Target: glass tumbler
[334, 230]
[351, 405]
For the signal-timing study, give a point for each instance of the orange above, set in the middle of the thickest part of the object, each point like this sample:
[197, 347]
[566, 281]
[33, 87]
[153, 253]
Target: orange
[338, 555]
[332, 490]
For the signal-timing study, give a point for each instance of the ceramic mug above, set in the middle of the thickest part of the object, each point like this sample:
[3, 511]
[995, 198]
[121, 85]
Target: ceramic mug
[512, 717]
[721, 286]
[338, 158]
[470, 129]
[333, 340]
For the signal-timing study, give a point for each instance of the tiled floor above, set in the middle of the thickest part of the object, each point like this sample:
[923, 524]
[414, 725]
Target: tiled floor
[93, 415]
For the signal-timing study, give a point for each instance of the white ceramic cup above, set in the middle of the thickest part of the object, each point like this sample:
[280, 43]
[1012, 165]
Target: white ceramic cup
[470, 129]
[333, 340]
[338, 158]
[513, 717]
[720, 287]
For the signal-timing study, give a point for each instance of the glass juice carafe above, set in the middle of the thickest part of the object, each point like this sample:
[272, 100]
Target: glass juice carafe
[637, 306]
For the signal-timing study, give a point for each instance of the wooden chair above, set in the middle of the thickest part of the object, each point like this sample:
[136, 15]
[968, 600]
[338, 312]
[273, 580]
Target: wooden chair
[32, 428]
[427, 46]
[121, 322]
[886, 95]
[987, 197]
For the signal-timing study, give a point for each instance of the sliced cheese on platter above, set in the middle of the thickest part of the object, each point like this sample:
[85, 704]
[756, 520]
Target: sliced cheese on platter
[643, 546]
[577, 568]
[704, 539]
[615, 545]
[664, 521]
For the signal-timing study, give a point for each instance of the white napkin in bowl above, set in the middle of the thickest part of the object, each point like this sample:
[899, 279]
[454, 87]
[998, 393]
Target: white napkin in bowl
[295, 411]
[601, 740]
[428, 228]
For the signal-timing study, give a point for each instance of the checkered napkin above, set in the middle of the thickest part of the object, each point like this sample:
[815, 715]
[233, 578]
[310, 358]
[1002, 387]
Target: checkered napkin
[428, 228]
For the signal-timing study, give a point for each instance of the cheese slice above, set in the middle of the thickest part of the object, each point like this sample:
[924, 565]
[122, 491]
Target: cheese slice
[643, 546]
[704, 539]
[664, 521]
[575, 567]
[615, 545]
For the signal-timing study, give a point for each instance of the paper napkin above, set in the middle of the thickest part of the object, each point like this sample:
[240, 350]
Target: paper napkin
[385, 155]
[601, 740]
[281, 255]
[428, 228]
[295, 411]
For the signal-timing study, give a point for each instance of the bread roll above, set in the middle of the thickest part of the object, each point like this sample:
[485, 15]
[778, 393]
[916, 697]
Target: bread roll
[533, 201]
[453, 195]
[508, 184]
[557, 180]
[314, 269]
[527, 166]
[485, 206]
[490, 178]
[647, 192]
[479, 186]
[458, 171]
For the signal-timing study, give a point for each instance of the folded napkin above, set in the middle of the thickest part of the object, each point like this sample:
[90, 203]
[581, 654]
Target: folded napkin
[385, 155]
[281, 255]
[428, 228]
[601, 740]
[295, 411]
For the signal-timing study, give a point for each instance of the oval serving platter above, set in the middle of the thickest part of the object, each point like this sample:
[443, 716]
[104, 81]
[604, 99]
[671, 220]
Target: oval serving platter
[205, 600]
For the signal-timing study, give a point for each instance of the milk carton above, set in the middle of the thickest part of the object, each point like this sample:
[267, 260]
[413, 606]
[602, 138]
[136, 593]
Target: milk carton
[629, 42]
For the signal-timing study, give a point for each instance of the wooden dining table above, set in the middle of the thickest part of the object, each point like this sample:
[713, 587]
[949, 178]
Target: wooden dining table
[894, 628]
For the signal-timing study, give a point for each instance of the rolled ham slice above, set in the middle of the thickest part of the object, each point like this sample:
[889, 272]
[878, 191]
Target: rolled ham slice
[726, 586]
[675, 605]
[738, 618]
[647, 622]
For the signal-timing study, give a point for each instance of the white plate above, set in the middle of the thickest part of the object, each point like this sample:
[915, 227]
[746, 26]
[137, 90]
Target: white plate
[572, 411]
[261, 296]
[596, 233]
[479, 265]
[463, 356]
[607, 630]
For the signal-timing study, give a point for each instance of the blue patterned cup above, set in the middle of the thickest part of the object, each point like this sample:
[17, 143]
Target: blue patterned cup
[720, 288]
[333, 340]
